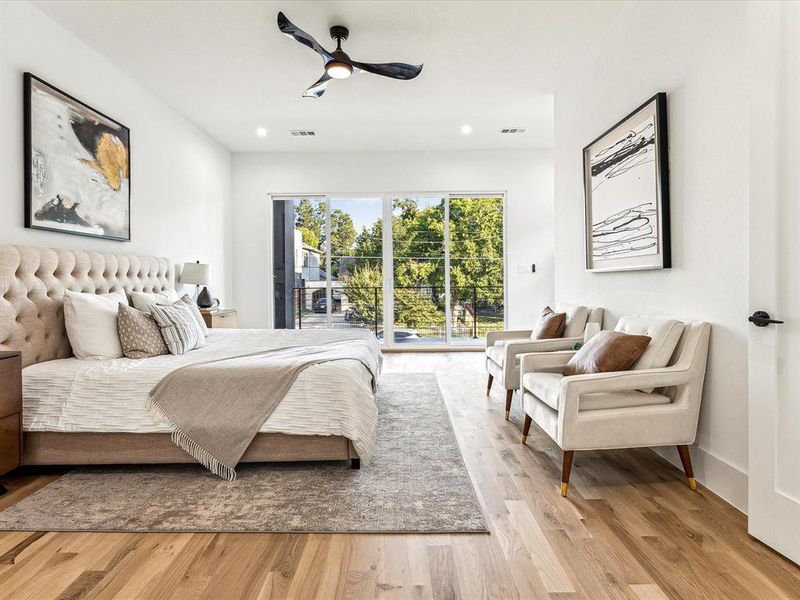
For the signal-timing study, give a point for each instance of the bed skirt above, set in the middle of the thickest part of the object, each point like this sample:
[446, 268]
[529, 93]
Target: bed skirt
[56, 448]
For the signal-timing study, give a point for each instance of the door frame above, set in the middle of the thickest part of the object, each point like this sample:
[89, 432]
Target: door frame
[388, 279]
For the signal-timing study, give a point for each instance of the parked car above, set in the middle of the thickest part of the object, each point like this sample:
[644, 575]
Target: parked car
[321, 305]
[402, 335]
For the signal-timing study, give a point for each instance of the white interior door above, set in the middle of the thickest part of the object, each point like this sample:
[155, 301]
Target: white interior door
[774, 244]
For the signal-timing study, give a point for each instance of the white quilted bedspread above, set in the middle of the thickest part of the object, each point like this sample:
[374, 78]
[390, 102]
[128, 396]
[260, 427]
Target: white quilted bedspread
[72, 395]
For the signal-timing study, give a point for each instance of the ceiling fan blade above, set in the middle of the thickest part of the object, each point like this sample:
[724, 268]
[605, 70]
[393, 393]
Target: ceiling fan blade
[317, 88]
[393, 70]
[290, 29]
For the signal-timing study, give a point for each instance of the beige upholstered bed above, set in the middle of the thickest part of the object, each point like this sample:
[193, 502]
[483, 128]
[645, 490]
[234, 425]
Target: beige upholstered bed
[32, 284]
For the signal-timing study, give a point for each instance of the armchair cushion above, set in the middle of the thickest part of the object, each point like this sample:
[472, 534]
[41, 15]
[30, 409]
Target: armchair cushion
[546, 387]
[497, 353]
[606, 352]
[576, 318]
[551, 325]
[664, 336]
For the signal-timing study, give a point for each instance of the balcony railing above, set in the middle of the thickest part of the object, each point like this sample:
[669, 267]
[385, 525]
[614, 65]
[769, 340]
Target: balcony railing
[419, 311]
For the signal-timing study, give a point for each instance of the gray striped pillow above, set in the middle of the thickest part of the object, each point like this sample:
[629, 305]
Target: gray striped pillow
[178, 327]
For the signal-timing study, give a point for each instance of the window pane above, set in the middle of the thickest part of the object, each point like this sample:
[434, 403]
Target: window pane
[357, 263]
[418, 267]
[310, 294]
[476, 268]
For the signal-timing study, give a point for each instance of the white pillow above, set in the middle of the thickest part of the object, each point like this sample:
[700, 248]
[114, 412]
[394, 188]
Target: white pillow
[91, 322]
[665, 333]
[576, 318]
[143, 300]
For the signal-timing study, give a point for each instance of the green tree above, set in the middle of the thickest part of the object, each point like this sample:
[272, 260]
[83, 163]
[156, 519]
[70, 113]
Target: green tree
[310, 221]
[360, 287]
[310, 216]
[309, 237]
[476, 248]
[413, 308]
[368, 248]
[343, 236]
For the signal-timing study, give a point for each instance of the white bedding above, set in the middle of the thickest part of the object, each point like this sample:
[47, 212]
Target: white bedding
[72, 395]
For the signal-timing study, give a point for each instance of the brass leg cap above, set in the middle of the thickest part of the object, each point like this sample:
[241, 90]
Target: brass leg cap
[508, 414]
[692, 484]
[524, 439]
[564, 489]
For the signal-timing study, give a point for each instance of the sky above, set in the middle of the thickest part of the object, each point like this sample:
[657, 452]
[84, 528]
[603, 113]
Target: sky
[365, 211]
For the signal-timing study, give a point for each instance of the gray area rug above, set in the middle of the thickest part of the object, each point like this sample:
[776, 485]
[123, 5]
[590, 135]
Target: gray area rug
[415, 482]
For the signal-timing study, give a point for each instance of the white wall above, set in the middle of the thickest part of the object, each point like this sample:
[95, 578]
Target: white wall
[525, 176]
[696, 52]
[180, 178]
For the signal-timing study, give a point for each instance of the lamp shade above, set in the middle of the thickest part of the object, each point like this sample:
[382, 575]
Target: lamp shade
[195, 273]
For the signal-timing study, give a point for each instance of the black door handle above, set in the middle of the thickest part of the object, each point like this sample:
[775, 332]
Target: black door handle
[761, 319]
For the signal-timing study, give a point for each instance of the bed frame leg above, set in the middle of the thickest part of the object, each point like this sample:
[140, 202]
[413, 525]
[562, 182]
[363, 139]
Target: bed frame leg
[355, 463]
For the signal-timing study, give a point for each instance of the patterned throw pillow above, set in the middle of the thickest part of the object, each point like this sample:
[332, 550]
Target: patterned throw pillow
[178, 327]
[139, 335]
[187, 301]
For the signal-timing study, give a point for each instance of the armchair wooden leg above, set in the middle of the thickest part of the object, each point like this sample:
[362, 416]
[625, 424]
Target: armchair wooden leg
[509, 397]
[566, 467]
[489, 385]
[686, 460]
[526, 428]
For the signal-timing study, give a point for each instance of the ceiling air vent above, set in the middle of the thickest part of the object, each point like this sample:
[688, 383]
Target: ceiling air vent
[302, 133]
[513, 130]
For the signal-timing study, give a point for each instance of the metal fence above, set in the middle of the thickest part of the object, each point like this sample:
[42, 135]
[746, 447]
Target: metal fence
[419, 311]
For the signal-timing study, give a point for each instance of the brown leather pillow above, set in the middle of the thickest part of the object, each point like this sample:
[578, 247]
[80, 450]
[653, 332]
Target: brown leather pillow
[551, 325]
[607, 351]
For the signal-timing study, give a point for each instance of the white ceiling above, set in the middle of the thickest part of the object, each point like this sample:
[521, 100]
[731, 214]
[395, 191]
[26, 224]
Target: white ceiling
[226, 67]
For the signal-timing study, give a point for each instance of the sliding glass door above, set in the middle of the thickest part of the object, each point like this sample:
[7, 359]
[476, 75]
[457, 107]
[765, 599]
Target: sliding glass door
[476, 267]
[418, 270]
[433, 277]
[356, 267]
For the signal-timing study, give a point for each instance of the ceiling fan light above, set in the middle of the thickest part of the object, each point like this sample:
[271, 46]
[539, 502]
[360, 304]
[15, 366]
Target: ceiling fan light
[338, 69]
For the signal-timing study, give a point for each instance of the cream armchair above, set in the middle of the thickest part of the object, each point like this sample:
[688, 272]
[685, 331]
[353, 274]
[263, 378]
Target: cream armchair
[503, 348]
[657, 403]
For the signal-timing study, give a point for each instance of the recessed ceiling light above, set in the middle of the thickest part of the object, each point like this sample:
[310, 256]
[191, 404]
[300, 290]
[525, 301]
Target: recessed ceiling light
[261, 131]
[466, 129]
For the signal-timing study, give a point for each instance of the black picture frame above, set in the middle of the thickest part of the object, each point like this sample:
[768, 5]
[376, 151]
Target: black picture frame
[618, 253]
[29, 81]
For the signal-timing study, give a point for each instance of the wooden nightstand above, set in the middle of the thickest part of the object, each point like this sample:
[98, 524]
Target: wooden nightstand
[223, 318]
[10, 412]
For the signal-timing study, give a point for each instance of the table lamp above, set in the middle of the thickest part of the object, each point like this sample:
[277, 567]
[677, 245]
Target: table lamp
[197, 274]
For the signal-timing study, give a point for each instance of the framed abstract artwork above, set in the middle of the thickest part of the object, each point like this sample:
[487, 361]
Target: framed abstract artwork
[77, 166]
[626, 192]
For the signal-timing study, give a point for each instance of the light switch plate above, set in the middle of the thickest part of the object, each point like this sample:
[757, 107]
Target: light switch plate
[526, 269]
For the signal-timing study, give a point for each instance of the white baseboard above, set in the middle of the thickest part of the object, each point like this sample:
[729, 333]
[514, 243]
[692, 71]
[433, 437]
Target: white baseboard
[725, 480]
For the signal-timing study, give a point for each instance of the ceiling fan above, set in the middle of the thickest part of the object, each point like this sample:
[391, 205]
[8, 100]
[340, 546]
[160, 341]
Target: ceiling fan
[338, 65]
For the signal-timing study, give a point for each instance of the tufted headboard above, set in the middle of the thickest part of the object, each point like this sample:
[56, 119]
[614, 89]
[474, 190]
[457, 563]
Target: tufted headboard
[32, 284]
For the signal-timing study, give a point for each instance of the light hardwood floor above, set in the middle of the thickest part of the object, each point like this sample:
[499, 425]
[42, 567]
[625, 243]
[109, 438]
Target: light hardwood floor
[630, 528]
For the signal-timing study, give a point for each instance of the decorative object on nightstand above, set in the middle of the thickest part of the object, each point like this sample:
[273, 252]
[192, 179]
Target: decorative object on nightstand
[220, 318]
[10, 412]
[197, 274]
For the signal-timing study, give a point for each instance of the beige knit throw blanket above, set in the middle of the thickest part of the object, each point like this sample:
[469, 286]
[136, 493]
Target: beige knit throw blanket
[216, 408]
